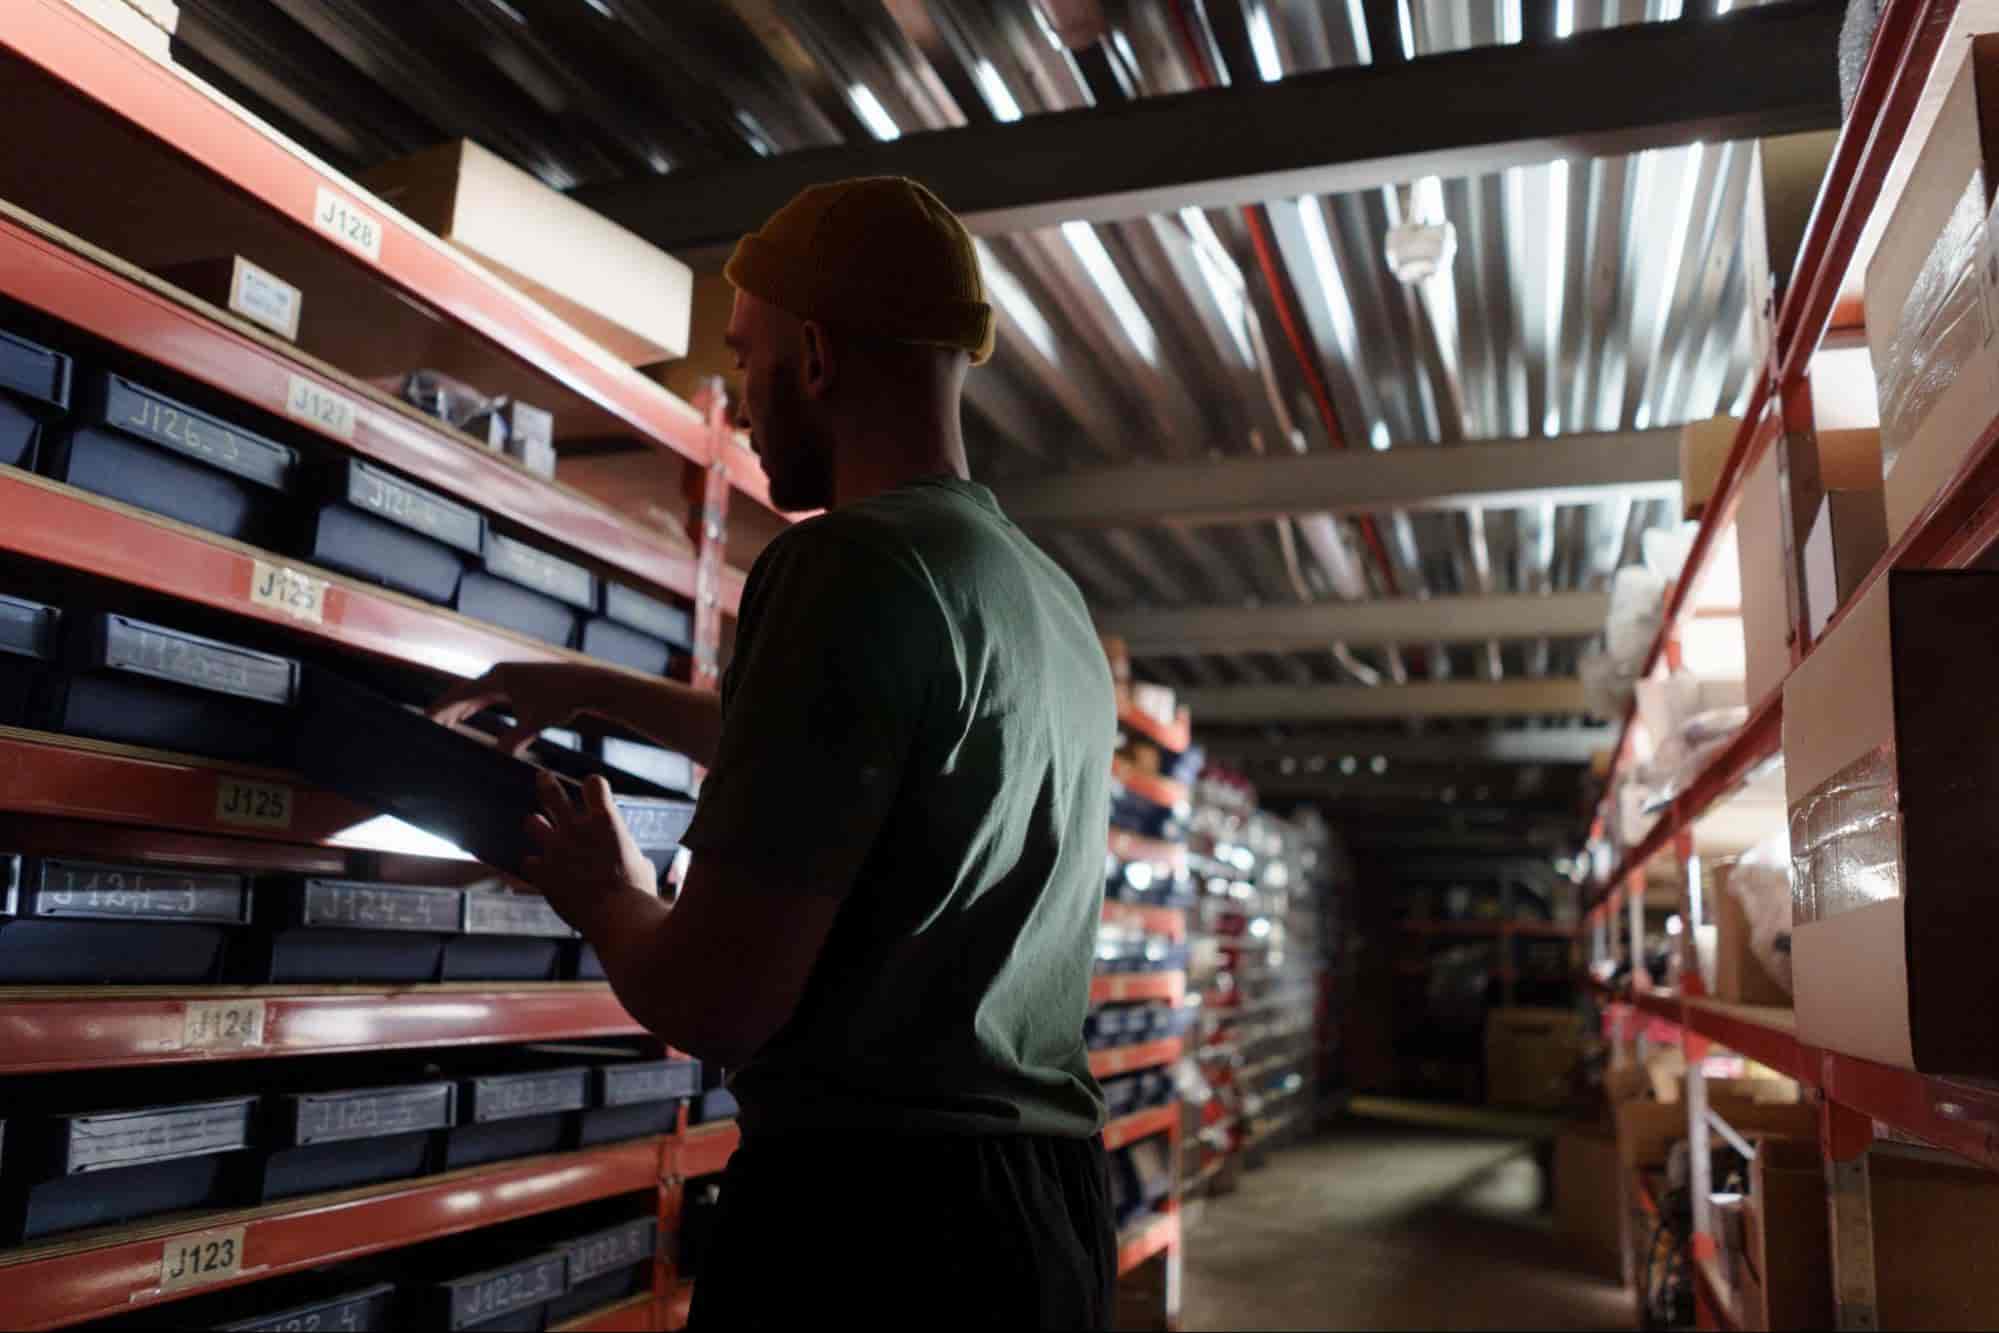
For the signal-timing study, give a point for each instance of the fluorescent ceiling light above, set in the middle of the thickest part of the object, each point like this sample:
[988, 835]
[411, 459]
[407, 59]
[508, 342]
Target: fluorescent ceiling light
[1357, 22]
[997, 97]
[1019, 306]
[872, 113]
[601, 8]
[1558, 266]
[1377, 435]
[1509, 23]
[1224, 282]
[1565, 18]
[1083, 239]
[1669, 10]
[509, 11]
[1402, 21]
[1319, 243]
[1263, 44]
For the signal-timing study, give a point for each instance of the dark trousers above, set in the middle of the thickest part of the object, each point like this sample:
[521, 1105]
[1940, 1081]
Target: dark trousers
[975, 1231]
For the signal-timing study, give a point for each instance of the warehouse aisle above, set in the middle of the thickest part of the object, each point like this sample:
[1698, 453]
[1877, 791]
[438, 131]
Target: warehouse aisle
[1377, 1226]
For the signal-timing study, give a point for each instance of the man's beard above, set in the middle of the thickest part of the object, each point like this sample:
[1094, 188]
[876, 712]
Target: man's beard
[796, 459]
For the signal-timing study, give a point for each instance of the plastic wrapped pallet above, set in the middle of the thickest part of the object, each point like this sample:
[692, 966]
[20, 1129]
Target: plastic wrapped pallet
[1888, 745]
[1931, 297]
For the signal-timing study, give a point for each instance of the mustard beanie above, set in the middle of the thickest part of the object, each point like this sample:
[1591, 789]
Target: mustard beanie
[878, 254]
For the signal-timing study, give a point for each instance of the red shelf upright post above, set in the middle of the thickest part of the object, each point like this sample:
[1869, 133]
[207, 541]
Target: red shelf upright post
[707, 486]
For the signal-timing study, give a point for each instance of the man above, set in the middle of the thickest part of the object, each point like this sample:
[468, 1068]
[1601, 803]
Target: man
[890, 921]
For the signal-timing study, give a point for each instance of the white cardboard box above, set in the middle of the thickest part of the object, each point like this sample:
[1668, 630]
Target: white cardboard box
[627, 294]
[1847, 540]
[1766, 614]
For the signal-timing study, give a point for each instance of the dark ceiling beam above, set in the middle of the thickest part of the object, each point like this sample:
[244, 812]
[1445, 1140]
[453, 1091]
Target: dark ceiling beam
[1568, 469]
[1303, 627]
[1772, 70]
[1543, 696]
[1544, 745]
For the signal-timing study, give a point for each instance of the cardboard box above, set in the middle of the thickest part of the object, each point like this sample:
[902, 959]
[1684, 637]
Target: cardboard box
[1936, 1224]
[1892, 769]
[1847, 540]
[1704, 447]
[1587, 1198]
[633, 298]
[1531, 1056]
[1766, 616]
[1786, 1232]
[1646, 1131]
[236, 284]
[1738, 977]
[132, 23]
[1930, 299]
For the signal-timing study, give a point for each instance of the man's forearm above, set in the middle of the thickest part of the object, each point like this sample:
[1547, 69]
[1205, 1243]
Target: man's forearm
[675, 715]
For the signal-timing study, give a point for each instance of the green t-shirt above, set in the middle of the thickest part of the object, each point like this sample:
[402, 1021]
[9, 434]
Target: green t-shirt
[919, 716]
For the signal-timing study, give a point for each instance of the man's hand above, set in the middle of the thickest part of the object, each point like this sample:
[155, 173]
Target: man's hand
[538, 694]
[587, 865]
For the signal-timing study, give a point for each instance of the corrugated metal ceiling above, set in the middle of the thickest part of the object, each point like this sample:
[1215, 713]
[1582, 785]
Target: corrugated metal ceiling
[1586, 295]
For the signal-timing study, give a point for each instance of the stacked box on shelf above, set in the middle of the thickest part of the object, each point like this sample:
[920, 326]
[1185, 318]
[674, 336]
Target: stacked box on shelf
[34, 396]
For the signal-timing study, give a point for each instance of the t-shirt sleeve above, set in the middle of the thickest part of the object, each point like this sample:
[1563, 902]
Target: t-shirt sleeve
[835, 652]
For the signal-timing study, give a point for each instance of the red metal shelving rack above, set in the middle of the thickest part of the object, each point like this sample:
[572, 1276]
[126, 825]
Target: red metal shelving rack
[95, 1276]
[1115, 1060]
[1129, 987]
[1915, 42]
[1175, 738]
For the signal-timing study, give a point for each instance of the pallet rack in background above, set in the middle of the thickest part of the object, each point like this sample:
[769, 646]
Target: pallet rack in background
[1861, 1103]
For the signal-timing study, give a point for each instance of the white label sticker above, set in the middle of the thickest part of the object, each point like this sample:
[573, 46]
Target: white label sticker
[333, 413]
[223, 1025]
[347, 223]
[201, 1258]
[265, 298]
[277, 588]
[250, 804]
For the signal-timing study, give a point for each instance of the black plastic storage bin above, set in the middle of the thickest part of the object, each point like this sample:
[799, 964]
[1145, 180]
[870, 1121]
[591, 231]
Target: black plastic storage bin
[468, 1289]
[66, 1170]
[322, 1298]
[34, 391]
[512, 1111]
[373, 750]
[336, 1139]
[632, 1097]
[145, 684]
[510, 606]
[506, 937]
[141, 447]
[377, 526]
[532, 568]
[659, 620]
[85, 923]
[608, 641]
[28, 641]
[607, 1265]
[334, 930]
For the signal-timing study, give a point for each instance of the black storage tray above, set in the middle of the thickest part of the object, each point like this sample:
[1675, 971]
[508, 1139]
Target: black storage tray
[382, 494]
[327, 930]
[631, 1082]
[581, 962]
[72, 923]
[530, 567]
[597, 1292]
[148, 477]
[510, 606]
[650, 616]
[375, 549]
[491, 1297]
[527, 1089]
[608, 641]
[375, 751]
[136, 711]
[506, 937]
[286, 1173]
[611, 1250]
[80, 1169]
[28, 638]
[115, 403]
[37, 377]
[499, 1141]
[114, 643]
[345, 1306]
[614, 1124]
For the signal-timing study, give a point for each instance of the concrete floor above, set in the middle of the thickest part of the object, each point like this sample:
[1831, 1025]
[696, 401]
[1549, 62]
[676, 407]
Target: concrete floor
[1376, 1226]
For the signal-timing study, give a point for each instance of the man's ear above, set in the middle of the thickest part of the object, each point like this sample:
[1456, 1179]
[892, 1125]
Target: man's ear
[819, 366]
